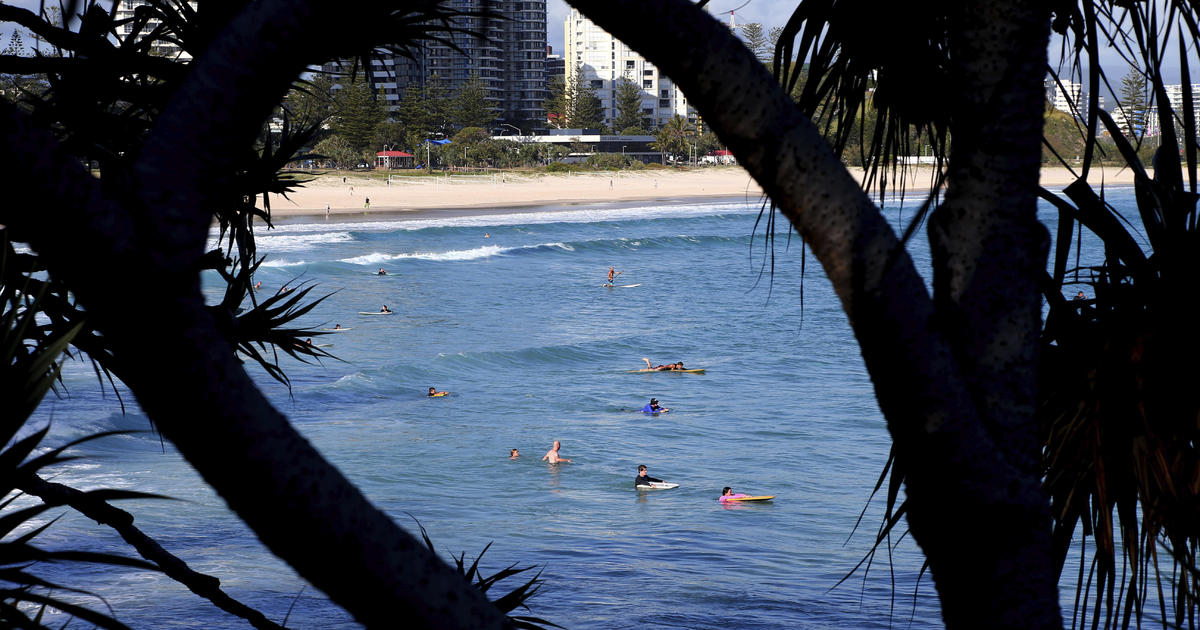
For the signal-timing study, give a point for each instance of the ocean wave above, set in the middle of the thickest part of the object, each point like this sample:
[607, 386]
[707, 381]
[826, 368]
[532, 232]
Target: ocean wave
[284, 263]
[277, 243]
[457, 255]
[526, 217]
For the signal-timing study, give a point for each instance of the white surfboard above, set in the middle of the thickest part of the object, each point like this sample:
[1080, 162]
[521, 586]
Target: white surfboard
[659, 485]
[375, 312]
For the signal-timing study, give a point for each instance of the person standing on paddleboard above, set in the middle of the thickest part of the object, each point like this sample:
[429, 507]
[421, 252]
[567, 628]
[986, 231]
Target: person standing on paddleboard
[612, 273]
[642, 479]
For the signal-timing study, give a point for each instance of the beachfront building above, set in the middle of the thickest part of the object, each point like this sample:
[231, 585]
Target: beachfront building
[164, 48]
[1175, 92]
[603, 60]
[509, 59]
[582, 143]
[1062, 94]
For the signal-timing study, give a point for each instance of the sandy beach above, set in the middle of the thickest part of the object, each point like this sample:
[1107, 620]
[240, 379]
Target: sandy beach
[408, 193]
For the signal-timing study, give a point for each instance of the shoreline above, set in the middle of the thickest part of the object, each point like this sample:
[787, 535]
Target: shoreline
[471, 194]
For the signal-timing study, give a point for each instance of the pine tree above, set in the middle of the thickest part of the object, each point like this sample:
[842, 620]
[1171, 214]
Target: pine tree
[756, 40]
[558, 105]
[1131, 114]
[629, 106]
[471, 107]
[356, 113]
[586, 110]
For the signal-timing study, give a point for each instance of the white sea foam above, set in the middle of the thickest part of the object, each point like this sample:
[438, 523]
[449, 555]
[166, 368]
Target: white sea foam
[525, 217]
[275, 243]
[486, 251]
[284, 263]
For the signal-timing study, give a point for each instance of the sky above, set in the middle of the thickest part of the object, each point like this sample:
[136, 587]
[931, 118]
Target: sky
[769, 13]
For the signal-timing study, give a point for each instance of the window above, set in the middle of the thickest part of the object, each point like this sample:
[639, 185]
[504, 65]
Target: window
[648, 83]
[664, 103]
[664, 94]
[629, 64]
[647, 73]
[597, 83]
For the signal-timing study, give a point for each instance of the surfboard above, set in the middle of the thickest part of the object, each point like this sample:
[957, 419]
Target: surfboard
[697, 371]
[324, 345]
[375, 312]
[440, 394]
[621, 286]
[659, 485]
[740, 499]
[337, 329]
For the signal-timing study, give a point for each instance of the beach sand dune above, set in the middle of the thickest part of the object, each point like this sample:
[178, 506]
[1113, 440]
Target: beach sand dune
[513, 189]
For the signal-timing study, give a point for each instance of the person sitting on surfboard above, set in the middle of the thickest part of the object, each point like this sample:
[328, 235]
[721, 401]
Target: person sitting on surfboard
[385, 309]
[381, 272]
[434, 392]
[642, 479]
[728, 495]
[654, 407]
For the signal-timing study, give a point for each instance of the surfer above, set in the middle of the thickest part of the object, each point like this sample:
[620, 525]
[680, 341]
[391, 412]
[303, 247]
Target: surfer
[654, 407]
[678, 365]
[642, 479]
[434, 392]
[258, 285]
[385, 309]
[552, 454]
[612, 273]
[514, 453]
[728, 495]
[381, 272]
[337, 327]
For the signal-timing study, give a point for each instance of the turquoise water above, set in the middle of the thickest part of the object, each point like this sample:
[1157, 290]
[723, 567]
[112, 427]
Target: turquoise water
[532, 348]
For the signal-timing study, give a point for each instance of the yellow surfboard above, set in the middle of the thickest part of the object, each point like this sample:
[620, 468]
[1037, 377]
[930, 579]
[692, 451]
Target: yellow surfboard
[761, 498]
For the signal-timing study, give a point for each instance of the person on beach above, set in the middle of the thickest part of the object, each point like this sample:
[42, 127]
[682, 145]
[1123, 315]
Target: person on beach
[434, 392]
[385, 309]
[367, 204]
[381, 272]
[612, 273]
[653, 407]
[642, 479]
[326, 211]
[728, 495]
[514, 453]
[552, 454]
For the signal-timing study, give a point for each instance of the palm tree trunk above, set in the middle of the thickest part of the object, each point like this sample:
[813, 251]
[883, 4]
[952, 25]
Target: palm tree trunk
[118, 244]
[976, 507]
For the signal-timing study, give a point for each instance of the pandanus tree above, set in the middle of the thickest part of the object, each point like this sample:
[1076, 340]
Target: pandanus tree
[983, 402]
[120, 160]
[960, 374]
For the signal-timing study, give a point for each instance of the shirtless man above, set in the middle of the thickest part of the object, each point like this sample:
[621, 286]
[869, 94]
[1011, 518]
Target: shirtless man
[552, 454]
[612, 273]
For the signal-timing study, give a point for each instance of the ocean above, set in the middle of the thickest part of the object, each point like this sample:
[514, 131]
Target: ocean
[532, 348]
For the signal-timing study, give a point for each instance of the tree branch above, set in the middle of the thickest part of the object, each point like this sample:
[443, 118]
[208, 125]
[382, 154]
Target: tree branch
[108, 242]
[206, 586]
[961, 486]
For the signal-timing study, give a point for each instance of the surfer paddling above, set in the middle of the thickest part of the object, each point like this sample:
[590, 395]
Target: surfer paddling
[642, 479]
[433, 392]
[728, 495]
[678, 365]
[653, 407]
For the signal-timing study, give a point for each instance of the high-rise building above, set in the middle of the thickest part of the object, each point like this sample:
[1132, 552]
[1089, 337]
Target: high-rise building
[603, 60]
[125, 15]
[1064, 94]
[507, 53]
[1175, 97]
